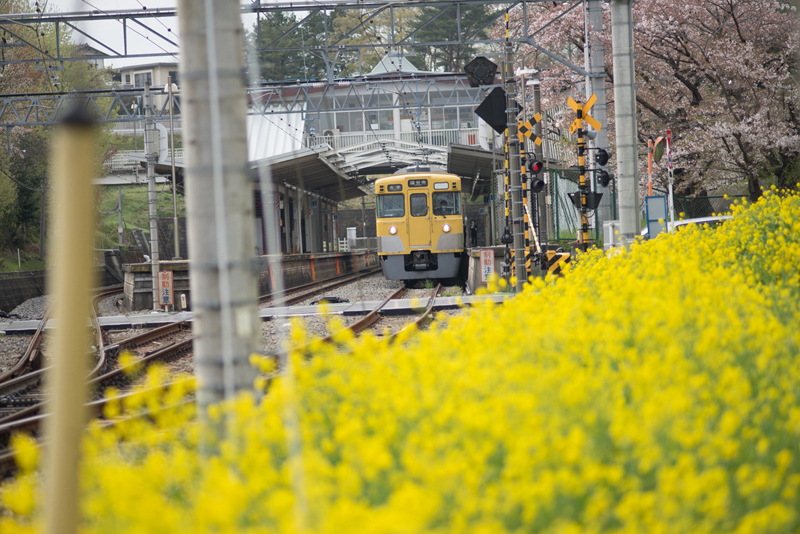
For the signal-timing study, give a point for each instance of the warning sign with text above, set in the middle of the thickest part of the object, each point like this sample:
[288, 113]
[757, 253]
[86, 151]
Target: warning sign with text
[165, 288]
[487, 264]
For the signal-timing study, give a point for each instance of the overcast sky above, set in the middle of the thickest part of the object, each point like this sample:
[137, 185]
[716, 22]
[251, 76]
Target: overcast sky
[110, 32]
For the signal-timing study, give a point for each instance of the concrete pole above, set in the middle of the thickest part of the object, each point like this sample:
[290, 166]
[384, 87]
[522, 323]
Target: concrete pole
[514, 169]
[596, 67]
[364, 215]
[119, 223]
[43, 218]
[625, 116]
[298, 220]
[72, 274]
[151, 153]
[172, 161]
[541, 198]
[219, 199]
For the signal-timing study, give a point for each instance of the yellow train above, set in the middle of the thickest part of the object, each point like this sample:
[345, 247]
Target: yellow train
[420, 227]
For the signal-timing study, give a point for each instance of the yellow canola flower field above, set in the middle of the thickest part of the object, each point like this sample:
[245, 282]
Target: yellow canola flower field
[654, 391]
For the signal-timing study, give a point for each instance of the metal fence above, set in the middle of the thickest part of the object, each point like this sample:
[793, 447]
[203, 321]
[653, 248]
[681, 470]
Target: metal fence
[701, 206]
[564, 217]
[465, 136]
[123, 162]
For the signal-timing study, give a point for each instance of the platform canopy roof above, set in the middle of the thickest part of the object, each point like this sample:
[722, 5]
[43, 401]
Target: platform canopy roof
[475, 165]
[309, 169]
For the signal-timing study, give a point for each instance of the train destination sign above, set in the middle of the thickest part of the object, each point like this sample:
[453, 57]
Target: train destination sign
[418, 183]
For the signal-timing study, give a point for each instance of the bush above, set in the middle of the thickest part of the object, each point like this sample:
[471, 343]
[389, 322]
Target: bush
[652, 391]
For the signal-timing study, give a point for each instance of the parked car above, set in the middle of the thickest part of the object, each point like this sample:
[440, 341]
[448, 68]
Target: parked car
[709, 221]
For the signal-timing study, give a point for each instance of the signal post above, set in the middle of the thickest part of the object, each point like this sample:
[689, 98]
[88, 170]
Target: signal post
[585, 200]
[514, 164]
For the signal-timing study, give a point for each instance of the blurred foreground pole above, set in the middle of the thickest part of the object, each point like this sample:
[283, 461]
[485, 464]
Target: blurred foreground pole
[625, 109]
[71, 272]
[219, 197]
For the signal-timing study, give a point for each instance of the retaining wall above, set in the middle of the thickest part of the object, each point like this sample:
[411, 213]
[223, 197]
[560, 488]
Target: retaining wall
[19, 286]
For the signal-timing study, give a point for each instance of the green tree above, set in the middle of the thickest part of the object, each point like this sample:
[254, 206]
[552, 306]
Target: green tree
[26, 159]
[451, 58]
[276, 65]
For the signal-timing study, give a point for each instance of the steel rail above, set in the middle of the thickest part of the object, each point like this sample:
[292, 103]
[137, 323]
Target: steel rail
[296, 294]
[422, 318]
[32, 357]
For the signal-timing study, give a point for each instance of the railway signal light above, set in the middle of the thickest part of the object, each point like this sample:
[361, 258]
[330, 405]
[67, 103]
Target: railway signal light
[507, 238]
[602, 156]
[480, 71]
[536, 167]
[604, 178]
[537, 185]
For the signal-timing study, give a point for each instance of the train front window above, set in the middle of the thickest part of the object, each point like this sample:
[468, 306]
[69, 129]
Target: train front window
[419, 204]
[446, 204]
[391, 206]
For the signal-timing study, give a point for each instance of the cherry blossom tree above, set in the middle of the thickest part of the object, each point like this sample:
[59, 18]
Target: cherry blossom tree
[718, 73]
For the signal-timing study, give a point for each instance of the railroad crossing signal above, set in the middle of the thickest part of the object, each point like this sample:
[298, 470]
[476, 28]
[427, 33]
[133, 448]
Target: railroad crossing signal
[527, 129]
[584, 199]
[583, 114]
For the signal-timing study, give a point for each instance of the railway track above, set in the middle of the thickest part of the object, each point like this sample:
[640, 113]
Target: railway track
[22, 400]
[300, 293]
[374, 318]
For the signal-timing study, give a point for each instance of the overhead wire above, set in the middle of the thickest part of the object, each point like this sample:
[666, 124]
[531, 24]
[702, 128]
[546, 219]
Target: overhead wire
[169, 30]
[173, 54]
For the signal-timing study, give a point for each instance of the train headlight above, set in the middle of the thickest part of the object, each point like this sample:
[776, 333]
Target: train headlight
[446, 228]
[392, 230]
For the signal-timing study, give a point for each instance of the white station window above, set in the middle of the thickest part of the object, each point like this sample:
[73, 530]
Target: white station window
[440, 185]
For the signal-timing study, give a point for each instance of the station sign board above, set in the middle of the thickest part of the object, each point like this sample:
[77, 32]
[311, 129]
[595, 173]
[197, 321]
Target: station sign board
[165, 288]
[487, 264]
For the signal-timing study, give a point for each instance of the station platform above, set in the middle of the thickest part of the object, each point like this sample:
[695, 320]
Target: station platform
[149, 320]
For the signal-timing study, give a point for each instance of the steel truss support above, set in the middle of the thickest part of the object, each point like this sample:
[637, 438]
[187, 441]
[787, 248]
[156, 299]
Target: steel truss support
[156, 26]
[109, 105]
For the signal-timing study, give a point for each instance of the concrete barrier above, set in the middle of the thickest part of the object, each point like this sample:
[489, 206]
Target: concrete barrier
[298, 269]
[19, 286]
[474, 265]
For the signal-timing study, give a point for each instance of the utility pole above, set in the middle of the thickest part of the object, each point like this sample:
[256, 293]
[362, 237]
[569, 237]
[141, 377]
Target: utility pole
[172, 160]
[150, 137]
[625, 112]
[540, 204]
[596, 68]
[219, 198]
[43, 218]
[514, 165]
[119, 224]
[597, 80]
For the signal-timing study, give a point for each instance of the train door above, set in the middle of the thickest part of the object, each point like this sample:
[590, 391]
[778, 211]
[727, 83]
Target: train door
[419, 223]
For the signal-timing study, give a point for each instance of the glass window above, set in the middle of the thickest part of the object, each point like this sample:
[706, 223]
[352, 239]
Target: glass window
[446, 204]
[391, 205]
[419, 204]
[139, 79]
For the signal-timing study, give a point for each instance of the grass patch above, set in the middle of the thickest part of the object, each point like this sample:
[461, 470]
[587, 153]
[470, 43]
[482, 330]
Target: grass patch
[135, 211]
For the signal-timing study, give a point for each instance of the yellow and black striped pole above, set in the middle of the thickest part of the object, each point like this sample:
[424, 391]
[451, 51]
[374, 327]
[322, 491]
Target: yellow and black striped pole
[525, 207]
[583, 186]
[509, 255]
